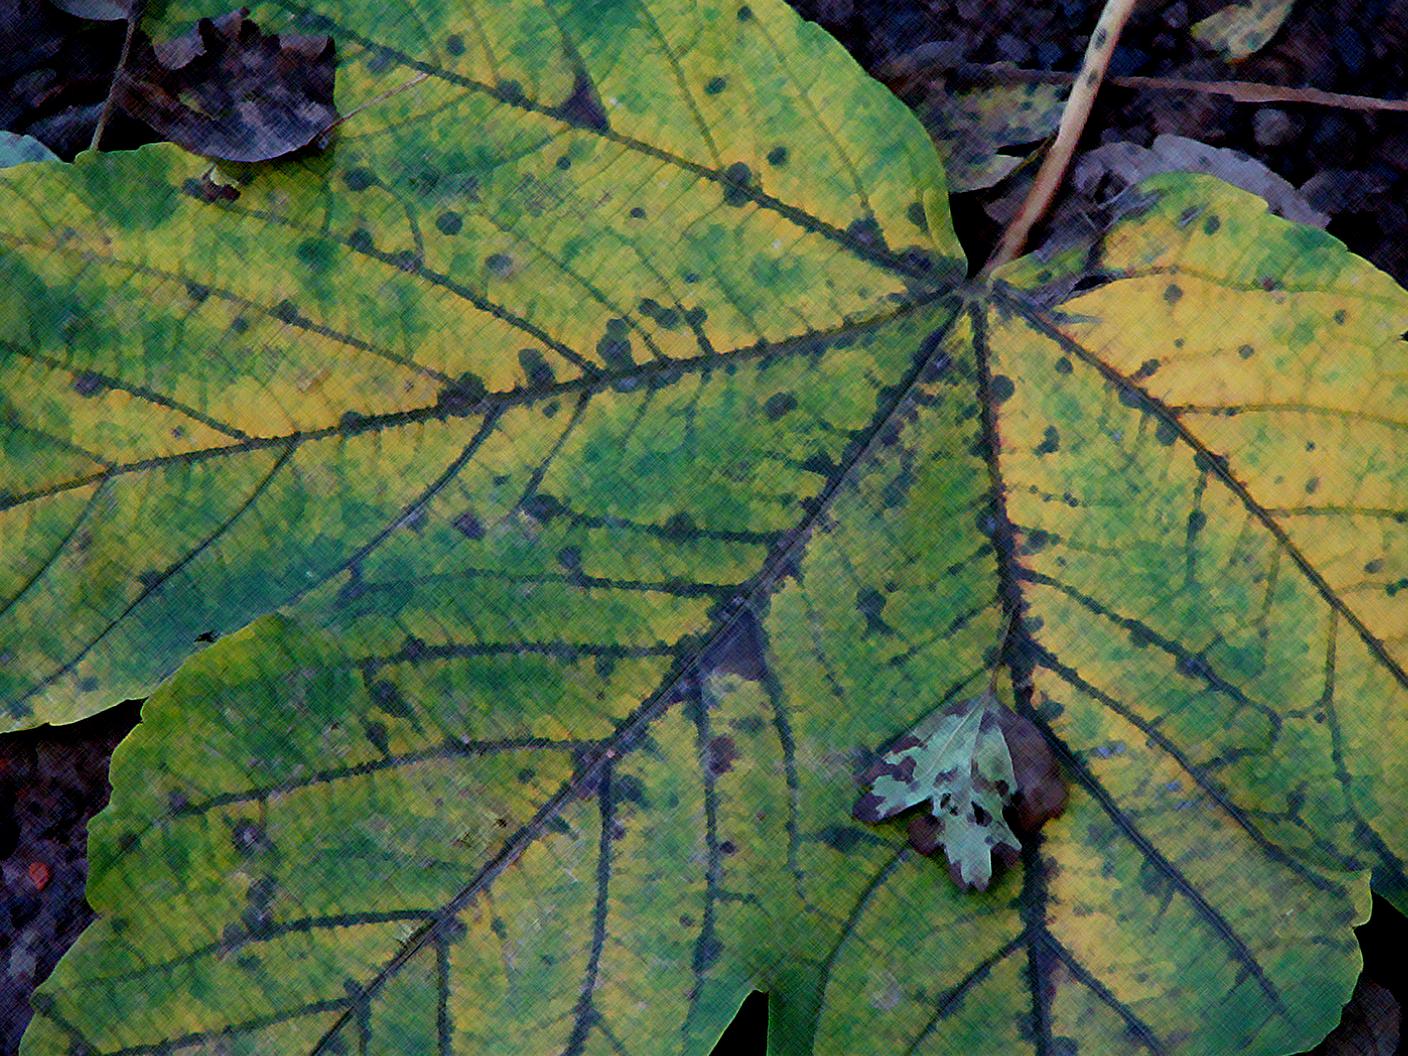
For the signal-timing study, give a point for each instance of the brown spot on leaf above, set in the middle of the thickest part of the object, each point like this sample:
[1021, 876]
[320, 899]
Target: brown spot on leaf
[722, 754]
[1041, 792]
[924, 832]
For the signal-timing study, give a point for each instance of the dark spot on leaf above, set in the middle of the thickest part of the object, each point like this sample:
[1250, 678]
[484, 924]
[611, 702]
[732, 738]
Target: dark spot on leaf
[1050, 442]
[778, 404]
[207, 190]
[715, 85]
[669, 318]
[627, 788]
[1166, 432]
[745, 13]
[387, 697]
[1037, 539]
[721, 754]
[778, 156]
[1312, 485]
[87, 384]
[1063, 366]
[1211, 225]
[376, 733]
[535, 368]
[1002, 388]
[449, 222]
[461, 396]
[454, 44]
[1173, 293]
[871, 604]
[358, 179]
[570, 558]
[351, 422]
[727, 847]
[1376, 565]
[1194, 667]
[542, 507]
[197, 292]
[841, 838]
[739, 651]
[287, 312]
[361, 241]
[614, 348]
[738, 180]
[706, 951]
[247, 837]
[866, 232]
[583, 107]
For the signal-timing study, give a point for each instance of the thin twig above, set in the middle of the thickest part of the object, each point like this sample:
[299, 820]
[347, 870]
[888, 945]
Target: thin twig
[1237, 91]
[134, 15]
[374, 100]
[1073, 119]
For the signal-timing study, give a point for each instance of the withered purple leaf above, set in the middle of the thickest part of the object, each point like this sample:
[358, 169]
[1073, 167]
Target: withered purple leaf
[228, 91]
[96, 10]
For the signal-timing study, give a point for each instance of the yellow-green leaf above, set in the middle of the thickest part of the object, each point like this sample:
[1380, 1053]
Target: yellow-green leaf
[213, 408]
[1243, 27]
[564, 668]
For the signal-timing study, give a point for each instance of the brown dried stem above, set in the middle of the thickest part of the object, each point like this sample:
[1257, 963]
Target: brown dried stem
[1237, 91]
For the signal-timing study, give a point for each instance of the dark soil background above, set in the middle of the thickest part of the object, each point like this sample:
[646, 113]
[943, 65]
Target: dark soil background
[55, 71]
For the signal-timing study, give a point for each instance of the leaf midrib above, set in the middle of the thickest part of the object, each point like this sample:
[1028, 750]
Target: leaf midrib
[1021, 654]
[591, 383]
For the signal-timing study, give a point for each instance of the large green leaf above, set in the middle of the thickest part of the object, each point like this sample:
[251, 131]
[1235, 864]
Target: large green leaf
[282, 382]
[580, 654]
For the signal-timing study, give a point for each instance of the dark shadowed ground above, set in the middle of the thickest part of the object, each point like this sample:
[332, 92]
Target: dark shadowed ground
[54, 73]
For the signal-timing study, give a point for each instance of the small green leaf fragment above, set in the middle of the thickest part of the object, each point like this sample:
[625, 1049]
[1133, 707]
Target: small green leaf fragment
[1241, 29]
[957, 760]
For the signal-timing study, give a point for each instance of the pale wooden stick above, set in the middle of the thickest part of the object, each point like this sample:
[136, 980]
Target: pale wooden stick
[1073, 119]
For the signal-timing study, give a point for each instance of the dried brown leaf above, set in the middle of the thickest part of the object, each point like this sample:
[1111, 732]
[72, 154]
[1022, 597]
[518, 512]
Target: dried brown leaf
[226, 90]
